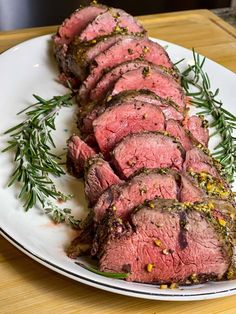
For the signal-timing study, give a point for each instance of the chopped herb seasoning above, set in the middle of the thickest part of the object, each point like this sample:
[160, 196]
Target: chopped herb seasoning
[151, 205]
[149, 267]
[163, 286]
[222, 222]
[146, 71]
[165, 251]
[145, 49]
[173, 285]
[158, 242]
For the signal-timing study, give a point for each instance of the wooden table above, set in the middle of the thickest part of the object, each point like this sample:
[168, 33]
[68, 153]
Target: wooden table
[26, 286]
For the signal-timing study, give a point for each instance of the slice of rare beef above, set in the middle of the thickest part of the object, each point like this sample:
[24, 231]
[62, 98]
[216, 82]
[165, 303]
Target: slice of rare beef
[190, 191]
[125, 49]
[88, 115]
[153, 79]
[98, 177]
[81, 55]
[110, 21]
[213, 187]
[107, 81]
[147, 185]
[198, 128]
[77, 153]
[197, 160]
[147, 150]
[175, 129]
[71, 27]
[168, 242]
[125, 118]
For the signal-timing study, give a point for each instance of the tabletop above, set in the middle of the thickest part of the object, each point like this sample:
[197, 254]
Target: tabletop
[28, 287]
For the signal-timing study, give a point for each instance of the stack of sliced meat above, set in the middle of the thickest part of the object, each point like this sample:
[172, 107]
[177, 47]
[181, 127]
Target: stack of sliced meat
[160, 209]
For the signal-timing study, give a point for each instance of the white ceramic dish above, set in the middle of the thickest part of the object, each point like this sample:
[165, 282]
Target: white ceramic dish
[30, 68]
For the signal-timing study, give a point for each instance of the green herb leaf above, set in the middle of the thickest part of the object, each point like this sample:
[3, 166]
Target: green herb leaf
[223, 121]
[32, 142]
[105, 274]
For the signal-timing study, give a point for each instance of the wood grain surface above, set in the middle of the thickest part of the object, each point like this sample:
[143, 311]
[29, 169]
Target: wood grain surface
[28, 287]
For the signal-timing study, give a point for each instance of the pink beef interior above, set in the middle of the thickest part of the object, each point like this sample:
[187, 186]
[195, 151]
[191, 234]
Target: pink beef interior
[77, 22]
[140, 188]
[197, 251]
[108, 80]
[189, 192]
[196, 160]
[124, 50]
[146, 150]
[155, 80]
[107, 22]
[79, 152]
[195, 125]
[175, 129]
[98, 178]
[128, 117]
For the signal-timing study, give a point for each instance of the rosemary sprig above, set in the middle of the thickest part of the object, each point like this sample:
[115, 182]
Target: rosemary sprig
[224, 122]
[32, 142]
[102, 273]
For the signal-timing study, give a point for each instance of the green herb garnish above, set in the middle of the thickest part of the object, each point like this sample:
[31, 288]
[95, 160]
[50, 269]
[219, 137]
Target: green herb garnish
[224, 122]
[32, 142]
[105, 274]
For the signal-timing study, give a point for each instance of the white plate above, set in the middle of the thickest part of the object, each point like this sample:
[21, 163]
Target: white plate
[30, 68]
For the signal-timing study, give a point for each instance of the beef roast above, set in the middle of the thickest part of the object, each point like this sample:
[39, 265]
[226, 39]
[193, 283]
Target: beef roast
[190, 191]
[108, 79]
[110, 21]
[168, 107]
[89, 113]
[71, 27]
[147, 150]
[212, 186]
[198, 161]
[153, 79]
[198, 128]
[128, 117]
[98, 177]
[125, 49]
[77, 153]
[168, 242]
[81, 55]
[175, 129]
[147, 185]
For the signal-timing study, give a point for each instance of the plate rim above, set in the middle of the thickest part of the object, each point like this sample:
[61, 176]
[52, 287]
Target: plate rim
[112, 288]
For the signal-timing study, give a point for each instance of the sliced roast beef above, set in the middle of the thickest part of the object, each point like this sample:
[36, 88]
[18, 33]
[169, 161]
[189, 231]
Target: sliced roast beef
[81, 55]
[190, 191]
[98, 177]
[78, 152]
[112, 20]
[198, 128]
[128, 117]
[175, 129]
[147, 185]
[198, 161]
[212, 186]
[88, 115]
[108, 80]
[168, 242]
[169, 108]
[71, 27]
[147, 150]
[153, 79]
[125, 49]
